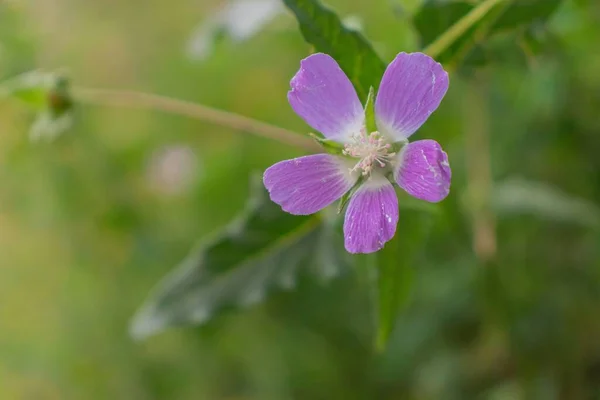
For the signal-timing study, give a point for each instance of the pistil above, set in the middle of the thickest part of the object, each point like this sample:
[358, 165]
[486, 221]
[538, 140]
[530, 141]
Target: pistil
[371, 150]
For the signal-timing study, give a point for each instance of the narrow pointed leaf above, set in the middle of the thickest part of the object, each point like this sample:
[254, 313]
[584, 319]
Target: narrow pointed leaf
[370, 111]
[330, 146]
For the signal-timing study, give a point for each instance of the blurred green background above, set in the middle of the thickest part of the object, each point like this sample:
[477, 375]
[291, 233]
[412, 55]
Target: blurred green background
[506, 300]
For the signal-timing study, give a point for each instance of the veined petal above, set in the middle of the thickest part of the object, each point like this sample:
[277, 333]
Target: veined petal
[412, 87]
[371, 217]
[324, 97]
[423, 170]
[305, 185]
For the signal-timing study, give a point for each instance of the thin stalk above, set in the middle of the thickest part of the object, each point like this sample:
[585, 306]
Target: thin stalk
[446, 39]
[479, 35]
[133, 99]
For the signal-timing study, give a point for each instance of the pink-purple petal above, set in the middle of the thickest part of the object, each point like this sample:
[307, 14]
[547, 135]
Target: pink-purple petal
[423, 170]
[371, 217]
[324, 97]
[305, 185]
[412, 87]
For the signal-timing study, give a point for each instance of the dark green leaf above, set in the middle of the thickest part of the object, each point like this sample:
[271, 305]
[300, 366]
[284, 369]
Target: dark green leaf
[525, 12]
[265, 249]
[436, 16]
[323, 29]
[396, 264]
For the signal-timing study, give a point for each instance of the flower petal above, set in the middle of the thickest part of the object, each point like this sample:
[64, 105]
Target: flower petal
[305, 185]
[412, 87]
[423, 170]
[325, 98]
[371, 217]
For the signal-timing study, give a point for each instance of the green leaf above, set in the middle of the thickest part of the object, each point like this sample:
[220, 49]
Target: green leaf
[466, 24]
[396, 263]
[322, 28]
[264, 250]
[525, 12]
[330, 146]
[48, 95]
[31, 88]
[437, 17]
[515, 197]
[370, 112]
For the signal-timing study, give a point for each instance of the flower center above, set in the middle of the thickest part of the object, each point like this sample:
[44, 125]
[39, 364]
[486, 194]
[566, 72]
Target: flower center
[371, 149]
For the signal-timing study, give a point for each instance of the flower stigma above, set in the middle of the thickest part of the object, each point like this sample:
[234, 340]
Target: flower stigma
[371, 149]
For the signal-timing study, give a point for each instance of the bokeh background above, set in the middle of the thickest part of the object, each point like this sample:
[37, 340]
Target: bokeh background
[506, 300]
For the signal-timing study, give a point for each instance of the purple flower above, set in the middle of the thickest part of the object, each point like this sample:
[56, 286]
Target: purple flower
[411, 89]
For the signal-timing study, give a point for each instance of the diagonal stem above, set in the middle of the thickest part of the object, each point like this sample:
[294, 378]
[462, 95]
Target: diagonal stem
[446, 39]
[479, 34]
[127, 98]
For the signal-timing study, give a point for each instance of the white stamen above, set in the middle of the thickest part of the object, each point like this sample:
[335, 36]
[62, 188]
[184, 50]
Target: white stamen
[370, 149]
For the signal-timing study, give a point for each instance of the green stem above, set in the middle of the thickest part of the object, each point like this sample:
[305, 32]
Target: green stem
[126, 98]
[460, 27]
[479, 35]
[479, 172]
